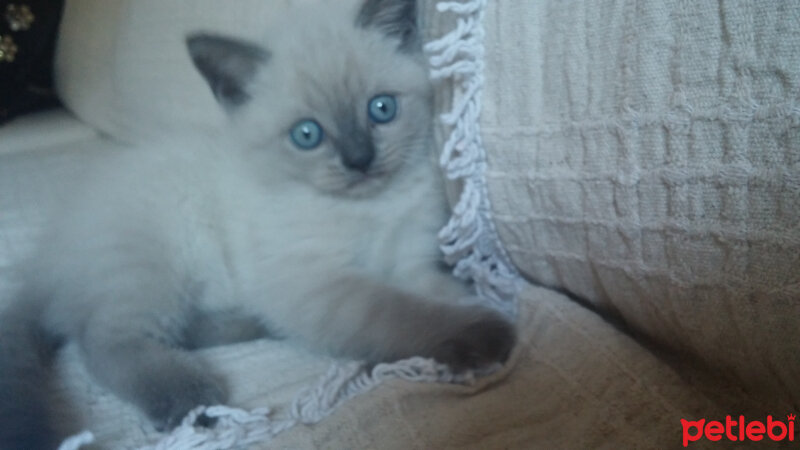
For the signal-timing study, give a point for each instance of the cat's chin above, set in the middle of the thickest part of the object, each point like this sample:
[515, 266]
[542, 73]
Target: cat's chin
[366, 185]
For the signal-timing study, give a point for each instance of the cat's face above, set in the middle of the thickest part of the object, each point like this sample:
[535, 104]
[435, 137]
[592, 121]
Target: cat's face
[337, 104]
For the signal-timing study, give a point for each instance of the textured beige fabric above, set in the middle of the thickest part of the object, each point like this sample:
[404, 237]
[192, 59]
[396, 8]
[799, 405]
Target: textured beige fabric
[646, 156]
[575, 382]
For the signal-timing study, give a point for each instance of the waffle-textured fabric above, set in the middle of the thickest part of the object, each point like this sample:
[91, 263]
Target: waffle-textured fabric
[645, 156]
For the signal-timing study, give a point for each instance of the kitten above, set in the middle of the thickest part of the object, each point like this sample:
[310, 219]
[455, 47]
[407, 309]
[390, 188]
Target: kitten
[314, 218]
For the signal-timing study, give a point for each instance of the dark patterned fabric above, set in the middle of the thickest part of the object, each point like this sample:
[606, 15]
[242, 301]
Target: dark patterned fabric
[28, 31]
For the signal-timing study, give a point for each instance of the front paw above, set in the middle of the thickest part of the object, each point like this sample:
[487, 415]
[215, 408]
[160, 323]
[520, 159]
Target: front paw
[485, 339]
[170, 399]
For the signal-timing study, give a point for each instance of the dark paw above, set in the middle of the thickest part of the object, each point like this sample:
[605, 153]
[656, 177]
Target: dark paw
[205, 421]
[485, 340]
[171, 400]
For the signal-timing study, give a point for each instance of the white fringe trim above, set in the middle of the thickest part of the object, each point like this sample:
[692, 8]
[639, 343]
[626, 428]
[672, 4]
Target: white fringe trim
[469, 241]
[77, 441]
[238, 428]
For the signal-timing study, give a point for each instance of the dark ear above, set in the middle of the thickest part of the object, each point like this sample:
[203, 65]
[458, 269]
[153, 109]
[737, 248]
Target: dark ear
[227, 64]
[396, 18]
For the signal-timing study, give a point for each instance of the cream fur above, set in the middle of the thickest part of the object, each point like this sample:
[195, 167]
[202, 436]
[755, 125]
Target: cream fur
[208, 239]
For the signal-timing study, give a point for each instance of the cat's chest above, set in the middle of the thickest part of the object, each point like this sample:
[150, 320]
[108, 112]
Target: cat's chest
[381, 236]
[388, 245]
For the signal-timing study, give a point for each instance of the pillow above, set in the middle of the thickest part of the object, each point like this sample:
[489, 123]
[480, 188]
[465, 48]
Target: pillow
[123, 68]
[27, 40]
[647, 159]
[122, 65]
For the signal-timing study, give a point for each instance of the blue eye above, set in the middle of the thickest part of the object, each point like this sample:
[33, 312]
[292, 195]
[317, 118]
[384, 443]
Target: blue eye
[307, 134]
[383, 108]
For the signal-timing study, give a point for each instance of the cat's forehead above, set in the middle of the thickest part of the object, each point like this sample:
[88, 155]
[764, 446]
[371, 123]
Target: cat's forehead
[334, 59]
[353, 59]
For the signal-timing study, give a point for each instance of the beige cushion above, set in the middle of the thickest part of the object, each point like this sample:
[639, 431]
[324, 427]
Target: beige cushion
[647, 158]
[574, 383]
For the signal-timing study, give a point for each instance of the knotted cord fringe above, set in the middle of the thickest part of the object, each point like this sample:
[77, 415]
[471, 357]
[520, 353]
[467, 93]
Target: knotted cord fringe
[469, 240]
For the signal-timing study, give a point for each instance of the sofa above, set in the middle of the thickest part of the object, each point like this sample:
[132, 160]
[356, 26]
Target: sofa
[625, 183]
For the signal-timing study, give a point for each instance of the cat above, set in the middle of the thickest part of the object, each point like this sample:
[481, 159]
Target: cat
[312, 217]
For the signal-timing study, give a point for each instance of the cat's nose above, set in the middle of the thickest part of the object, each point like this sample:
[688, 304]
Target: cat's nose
[358, 157]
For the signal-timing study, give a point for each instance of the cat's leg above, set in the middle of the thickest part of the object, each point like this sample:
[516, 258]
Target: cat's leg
[357, 316]
[222, 327]
[132, 349]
